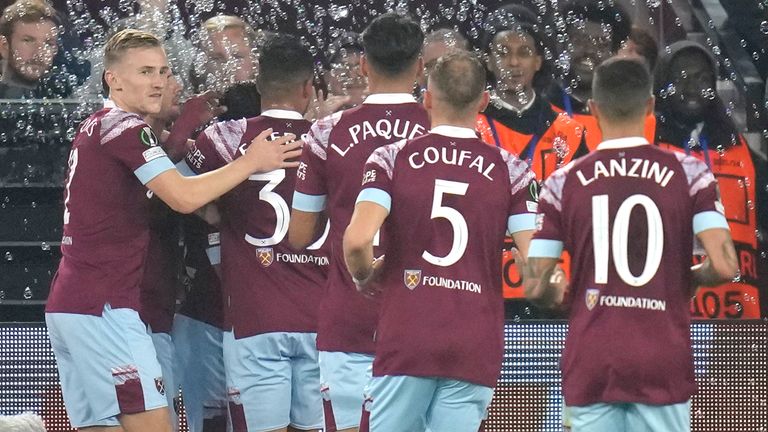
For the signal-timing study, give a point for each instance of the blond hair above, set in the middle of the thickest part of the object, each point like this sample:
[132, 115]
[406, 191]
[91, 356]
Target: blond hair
[226, 22]
[27, 11]
[125, 40]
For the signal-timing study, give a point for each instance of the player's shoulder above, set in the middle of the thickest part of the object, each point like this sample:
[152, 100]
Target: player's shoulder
[114, 122]
[387, 154]
[224, 137]
[516, 166]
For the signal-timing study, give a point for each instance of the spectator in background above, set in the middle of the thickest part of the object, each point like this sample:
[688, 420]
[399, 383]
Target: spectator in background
[518, 118]
[641, 44]
[227, 54]
[692, 119]
[436, 43]
[596, 32]
[29, 31]
[343, 76]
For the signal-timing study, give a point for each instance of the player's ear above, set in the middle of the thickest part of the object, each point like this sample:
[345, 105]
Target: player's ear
[419, 67]
[364, 65]
[5, 48]
[427, 100]
[484, 99]
[307, 90]
[593, 109]
[650, 105]
[112, 80]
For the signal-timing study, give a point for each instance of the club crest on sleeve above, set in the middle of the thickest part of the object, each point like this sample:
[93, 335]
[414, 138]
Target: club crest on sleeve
[592, 295]
[160, 385]
[539, 221]
[266, 256]
[412, 278]
[147, 137]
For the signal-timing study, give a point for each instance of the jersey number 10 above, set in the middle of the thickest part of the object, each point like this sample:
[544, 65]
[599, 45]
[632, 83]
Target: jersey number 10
[619, 239]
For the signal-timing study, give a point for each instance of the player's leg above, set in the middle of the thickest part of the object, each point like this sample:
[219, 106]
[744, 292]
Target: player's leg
[457, 406]
[102, 377]
[154, 415]
[306, 402]
[200, 360]
[166, 356]
[343, 377]
[399, 403]
[669, 418]
[600, 417]
[158, 419]
[259, 376]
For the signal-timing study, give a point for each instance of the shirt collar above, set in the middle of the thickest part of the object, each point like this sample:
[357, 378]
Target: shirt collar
[389, 98]
[283, 114]
[454, 131]
[620, 143]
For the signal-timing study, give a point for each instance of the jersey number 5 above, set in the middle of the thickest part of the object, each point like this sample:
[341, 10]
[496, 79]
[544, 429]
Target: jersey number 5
[458, 223]
[619, 239]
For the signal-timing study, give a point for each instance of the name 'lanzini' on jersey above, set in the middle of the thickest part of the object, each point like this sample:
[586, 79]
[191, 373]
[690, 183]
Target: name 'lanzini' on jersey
[329, 178]
[451, 199]
[268, 286]
[106, 214]
[625, 213]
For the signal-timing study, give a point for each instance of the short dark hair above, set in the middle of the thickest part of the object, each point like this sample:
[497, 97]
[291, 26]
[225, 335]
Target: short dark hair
[392, 43]
[284, 63]
[27, 11]
[346, 43]
[242, 100]
[646, 45]
[621, 88]
[459, 77]
[598, 11]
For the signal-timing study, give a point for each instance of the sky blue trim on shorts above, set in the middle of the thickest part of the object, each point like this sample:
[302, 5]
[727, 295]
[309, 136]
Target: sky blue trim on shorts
[153, 168]
[377, 196]
[708, 220]
[543, 248]
[309, 203]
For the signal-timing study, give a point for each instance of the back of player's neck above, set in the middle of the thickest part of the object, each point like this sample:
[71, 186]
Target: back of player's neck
[279, 105]
[622, 131]
[468, 123]
[400, 86]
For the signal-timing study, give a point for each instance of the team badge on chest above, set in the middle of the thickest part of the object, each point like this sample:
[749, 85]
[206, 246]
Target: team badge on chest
[266, 256]
[412, 278]
[592, 296]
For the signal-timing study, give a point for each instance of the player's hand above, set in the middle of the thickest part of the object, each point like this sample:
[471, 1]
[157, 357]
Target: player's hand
[323, 105]
[201, 109]
[369, 286]
[268, 155]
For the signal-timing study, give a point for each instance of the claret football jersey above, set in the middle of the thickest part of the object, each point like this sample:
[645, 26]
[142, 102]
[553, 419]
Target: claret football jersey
[268, 287]
[451, 200]
[106, 213]
[627, 214]
[329, 179]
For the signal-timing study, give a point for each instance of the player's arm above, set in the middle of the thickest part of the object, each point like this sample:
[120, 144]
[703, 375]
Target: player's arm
[303, 227]
[196, 112]
[187, 194]
[358, 243]
[721, 264]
